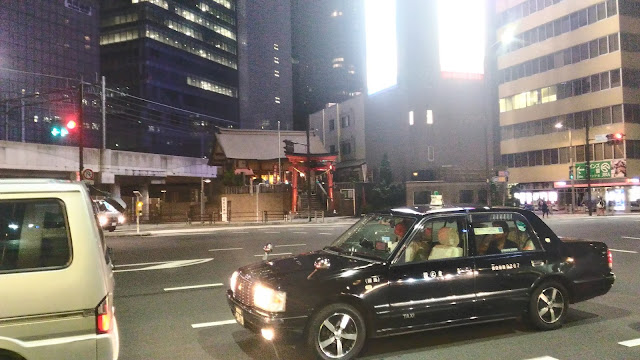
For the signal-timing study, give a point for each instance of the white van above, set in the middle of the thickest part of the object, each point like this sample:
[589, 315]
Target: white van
[56, 279]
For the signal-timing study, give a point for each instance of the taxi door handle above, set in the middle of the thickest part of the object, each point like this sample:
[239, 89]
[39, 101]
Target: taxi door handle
[538, 262]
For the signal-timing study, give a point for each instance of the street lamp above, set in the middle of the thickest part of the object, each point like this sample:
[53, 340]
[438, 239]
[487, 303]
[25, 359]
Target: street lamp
[572, 167]
[202, 182]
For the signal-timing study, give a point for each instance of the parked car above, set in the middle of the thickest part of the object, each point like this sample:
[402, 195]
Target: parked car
[408, 270]
[108, 216]
[56, 279]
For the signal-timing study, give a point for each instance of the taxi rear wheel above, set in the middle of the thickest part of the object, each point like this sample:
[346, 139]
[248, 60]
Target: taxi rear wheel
[337, 331]
[548, 306]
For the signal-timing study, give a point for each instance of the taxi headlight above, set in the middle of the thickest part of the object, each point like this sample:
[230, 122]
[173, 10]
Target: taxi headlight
[268, 299]
[233, 281]
[121, 219]
[102, 220]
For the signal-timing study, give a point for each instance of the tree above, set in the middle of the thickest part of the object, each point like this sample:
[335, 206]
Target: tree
[385, 194]
[386, 176]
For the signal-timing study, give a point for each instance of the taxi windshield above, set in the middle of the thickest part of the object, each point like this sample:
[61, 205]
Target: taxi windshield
[374, 236]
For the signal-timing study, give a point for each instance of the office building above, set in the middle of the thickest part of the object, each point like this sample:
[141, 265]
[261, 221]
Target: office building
[570, 70]
[183, 54]
[264, 64]
[328, 52]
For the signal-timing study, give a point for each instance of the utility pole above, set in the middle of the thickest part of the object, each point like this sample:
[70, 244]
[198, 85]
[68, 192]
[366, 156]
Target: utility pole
[279, 161]
[588, 155]
[308, 171]
[104, 113]
[81, 126]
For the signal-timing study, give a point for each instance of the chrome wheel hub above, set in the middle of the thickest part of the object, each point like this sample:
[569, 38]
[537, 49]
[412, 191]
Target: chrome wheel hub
[337, 335]
[550, 305]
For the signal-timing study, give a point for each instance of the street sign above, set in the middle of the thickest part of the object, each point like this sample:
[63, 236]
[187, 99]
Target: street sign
[504, 173]
[601, 137]
[87, 174]
[497, 179]
[599, 170]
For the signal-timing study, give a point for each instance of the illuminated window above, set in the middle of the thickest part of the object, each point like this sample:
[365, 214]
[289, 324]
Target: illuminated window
[533, 97]
[429, 117]
[121, 36]
[193, 17]
[218, 14]
[119, 19]
[212, 86]
[336, 13]
[411, 117]
[162, 3]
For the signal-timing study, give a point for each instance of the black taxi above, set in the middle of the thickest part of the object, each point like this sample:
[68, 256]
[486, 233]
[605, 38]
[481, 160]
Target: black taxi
[409, 270]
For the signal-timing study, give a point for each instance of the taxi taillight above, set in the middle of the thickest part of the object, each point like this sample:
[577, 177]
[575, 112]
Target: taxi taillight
[104, 316]
[609, 259]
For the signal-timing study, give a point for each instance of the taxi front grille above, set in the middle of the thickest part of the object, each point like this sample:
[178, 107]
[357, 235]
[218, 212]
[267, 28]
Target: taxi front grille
[244, 291]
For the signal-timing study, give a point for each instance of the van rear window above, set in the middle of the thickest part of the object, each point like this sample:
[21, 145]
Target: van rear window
[33, 235]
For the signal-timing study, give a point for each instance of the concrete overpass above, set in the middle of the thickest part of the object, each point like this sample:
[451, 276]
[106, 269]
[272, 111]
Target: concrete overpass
[112, 168]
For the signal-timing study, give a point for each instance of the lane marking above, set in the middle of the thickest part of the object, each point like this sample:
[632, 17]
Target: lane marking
[272, 232]
[229, 249]
[543, 358]
[631, 237]
[193, 287]
[240, 232]
[215, 323]
[163, 265]
[288, 253]
[324, 234]
[624, 251]
[299, 232]
[630, 343]
[289, 245]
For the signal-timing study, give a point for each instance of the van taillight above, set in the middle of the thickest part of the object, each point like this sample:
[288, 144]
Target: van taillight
[610, 259]
[104, 316]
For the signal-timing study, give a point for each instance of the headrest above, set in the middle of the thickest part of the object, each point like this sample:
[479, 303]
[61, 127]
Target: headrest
[400, 229]
[448, 237]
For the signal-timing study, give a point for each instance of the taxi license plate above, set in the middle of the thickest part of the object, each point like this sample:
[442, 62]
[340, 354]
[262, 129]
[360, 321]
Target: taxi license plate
[239, 316]
[114, 223]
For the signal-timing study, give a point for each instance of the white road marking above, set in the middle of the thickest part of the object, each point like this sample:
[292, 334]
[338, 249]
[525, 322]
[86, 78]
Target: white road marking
[193, 287]
[180, 234]
[164, 265]
[624, 251]
[324, 234]
[215, 323]
[631, 237]
[630, 343]
[288, 253]
[229, 249]
[240, 232]
[272, 232]
[299, 232]
[543, 358]
[289, 245]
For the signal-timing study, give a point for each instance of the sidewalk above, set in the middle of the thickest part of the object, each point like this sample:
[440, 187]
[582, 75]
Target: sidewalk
[197, 227]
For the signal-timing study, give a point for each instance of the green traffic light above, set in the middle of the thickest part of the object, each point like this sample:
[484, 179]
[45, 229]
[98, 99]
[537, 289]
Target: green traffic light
[56, 131]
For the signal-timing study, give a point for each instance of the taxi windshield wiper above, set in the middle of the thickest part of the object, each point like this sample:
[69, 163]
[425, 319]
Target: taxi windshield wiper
[334, 248]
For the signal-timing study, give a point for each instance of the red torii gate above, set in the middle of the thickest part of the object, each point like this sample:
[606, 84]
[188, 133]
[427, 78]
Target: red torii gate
[319, 162]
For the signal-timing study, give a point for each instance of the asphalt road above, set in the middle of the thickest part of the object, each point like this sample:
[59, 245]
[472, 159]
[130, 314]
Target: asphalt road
[170, 300]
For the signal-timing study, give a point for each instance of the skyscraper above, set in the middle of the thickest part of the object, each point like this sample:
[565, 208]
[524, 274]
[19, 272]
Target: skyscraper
[328, 51]
[177, 53]
[265, 68]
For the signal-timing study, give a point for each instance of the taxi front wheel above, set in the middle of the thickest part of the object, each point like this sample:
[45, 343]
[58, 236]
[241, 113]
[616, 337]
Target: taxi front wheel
[548, 306]
[337, 331]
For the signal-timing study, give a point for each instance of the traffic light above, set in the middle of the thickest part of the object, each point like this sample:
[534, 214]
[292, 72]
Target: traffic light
[59, 131]
[288, 146]
[570, 172]
[139, 208]
[615, 138]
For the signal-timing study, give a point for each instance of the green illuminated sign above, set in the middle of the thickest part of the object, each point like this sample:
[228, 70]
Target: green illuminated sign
[599, 170]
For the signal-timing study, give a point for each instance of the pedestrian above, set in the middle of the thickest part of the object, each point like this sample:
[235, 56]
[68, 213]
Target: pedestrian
[545, 209]
[601, 205]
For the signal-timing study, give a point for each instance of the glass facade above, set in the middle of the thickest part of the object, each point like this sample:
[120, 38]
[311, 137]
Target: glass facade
[181, 58]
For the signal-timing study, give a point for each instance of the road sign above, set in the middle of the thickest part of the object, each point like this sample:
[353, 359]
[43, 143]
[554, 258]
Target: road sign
[599, 170]
[87, 174]
[504, 173]
[601, 137]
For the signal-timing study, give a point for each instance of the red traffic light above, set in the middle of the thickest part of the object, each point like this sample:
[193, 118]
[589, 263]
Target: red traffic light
[71, 124]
